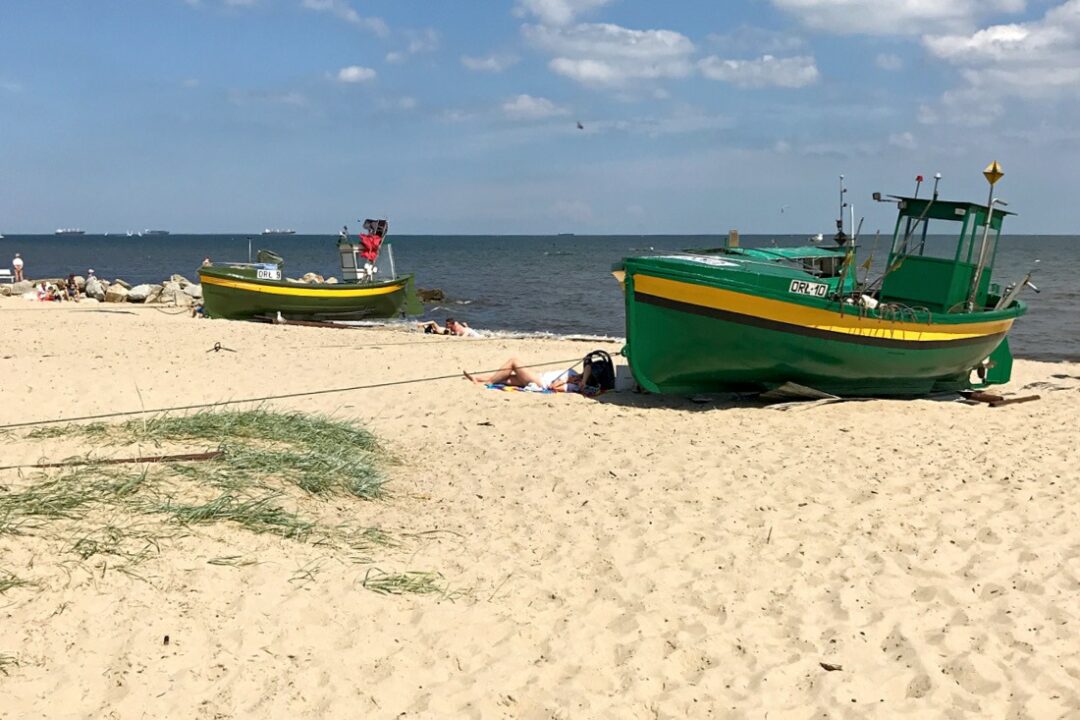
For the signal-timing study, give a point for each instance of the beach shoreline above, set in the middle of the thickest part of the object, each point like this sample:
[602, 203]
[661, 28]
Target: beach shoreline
[633, 556]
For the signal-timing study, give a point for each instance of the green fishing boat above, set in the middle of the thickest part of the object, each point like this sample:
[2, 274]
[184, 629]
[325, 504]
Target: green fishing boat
[251, 290]
[742, 319]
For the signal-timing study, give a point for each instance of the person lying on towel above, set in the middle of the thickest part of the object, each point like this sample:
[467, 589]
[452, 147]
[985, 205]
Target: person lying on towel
[514, 374]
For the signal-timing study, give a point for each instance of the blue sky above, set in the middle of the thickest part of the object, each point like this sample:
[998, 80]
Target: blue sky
[460, 116]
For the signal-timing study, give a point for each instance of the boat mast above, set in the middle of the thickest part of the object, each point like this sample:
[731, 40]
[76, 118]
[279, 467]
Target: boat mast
[840, 221]
[992, 173]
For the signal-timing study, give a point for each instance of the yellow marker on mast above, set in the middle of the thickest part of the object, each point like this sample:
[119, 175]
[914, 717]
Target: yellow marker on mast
[993, 173]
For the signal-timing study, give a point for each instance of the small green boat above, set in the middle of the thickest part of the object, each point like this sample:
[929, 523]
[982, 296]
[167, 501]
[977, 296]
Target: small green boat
[244, 291]
[755, 319]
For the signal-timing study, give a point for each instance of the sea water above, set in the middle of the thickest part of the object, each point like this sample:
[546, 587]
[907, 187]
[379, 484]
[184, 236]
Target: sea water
[535, 284]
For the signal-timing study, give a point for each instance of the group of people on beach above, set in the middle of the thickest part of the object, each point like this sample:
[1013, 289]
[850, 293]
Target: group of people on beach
[453, 327]
[52, 292]
[45, 290]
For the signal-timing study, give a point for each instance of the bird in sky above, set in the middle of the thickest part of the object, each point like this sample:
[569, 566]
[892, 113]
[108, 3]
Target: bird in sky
[580, 126]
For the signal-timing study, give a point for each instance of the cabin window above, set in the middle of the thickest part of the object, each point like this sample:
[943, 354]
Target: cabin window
[991, 246]
[930, 238]
[823, 266]
[969, 237]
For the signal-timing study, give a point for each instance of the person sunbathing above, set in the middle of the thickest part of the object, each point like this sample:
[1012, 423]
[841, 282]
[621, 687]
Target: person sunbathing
[453, 327]
[515, 374]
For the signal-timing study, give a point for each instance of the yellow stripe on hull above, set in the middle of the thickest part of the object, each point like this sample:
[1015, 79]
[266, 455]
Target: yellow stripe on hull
[302, 290]
[818, 319]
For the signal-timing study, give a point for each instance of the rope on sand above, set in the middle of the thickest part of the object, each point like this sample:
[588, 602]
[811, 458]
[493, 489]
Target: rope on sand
[265, 398]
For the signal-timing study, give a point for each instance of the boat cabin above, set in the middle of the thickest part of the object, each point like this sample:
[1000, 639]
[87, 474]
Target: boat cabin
[358, 258]
[938, 254]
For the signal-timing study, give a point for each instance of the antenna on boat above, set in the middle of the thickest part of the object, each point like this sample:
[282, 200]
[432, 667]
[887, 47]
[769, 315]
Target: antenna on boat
[843, 193]
[992, 173]
[918, 184]
[937, 179]
[249, 249]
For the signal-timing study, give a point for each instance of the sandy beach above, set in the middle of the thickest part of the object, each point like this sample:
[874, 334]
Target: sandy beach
[627, 557]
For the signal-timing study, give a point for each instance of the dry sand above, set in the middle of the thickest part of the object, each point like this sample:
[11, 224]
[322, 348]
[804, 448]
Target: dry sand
[634, 557]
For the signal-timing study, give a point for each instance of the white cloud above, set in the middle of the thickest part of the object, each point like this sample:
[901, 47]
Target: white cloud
[527, 107]
[355, 74]
[420, 41]
[1036, 60]
[456, 115]
[792, 72]
[10, 86]
[903, 140]
[748, 40]
[888, 61]
[557, 12]
[609, 55]
[491, 63]
[894, 17]
[344, 11]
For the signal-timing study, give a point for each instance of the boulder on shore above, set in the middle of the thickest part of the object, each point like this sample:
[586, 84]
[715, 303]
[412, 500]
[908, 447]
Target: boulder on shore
[116, 293]
[174, 296]
[80, 283]
[121, 283]
[139, 293]
[431, 296]
[183, 281]
[94, 288]
[194, 291]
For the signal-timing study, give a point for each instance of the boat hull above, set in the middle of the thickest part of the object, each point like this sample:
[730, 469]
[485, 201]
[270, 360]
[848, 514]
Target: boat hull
[688, 337]
[236, 297]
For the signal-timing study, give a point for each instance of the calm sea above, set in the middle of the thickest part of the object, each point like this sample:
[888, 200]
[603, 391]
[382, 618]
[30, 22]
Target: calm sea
[532, 284]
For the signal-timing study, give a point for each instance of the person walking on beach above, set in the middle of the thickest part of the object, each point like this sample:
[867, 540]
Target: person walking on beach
[17, 266]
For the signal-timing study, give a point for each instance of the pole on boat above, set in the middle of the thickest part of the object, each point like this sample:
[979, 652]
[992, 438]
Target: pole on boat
[840, 221]
[993, 173]
[249, 249]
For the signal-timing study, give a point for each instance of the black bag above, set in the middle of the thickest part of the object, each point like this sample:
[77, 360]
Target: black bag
[600, 372]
